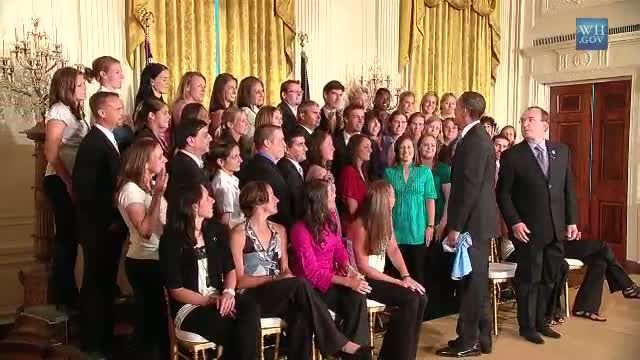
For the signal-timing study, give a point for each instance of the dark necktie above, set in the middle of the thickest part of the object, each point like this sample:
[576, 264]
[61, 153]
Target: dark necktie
[542, 160]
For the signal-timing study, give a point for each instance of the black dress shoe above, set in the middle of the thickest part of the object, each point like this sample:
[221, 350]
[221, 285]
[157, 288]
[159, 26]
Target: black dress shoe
[359, 354]
[548, 332]
[532, 336]
[457, 342]
[458, 352]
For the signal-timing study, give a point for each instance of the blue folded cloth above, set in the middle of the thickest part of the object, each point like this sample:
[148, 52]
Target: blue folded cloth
[461, 263]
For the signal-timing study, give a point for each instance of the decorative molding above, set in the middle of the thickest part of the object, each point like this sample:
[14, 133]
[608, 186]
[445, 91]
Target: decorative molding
[616, 39]
[549, 6]
[549, 40]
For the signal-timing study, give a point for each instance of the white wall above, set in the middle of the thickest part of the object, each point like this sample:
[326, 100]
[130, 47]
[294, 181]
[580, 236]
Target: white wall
[527, 72]
[345, 37]
[87, 29]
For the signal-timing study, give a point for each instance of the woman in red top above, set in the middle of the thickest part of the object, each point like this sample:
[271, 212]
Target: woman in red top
[320, 257]
[353, 180]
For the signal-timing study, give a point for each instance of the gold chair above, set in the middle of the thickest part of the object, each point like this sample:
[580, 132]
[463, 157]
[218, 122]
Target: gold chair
[499, 273]
[574, 264]
[374, 308]
[270, 326]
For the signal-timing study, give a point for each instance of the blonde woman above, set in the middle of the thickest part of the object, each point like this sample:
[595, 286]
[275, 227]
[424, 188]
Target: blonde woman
[429, 104]
[447, 105]
[190, 90]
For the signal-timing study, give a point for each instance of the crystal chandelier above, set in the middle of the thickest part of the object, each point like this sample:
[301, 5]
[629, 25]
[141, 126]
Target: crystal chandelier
[26, 73]
[379, 80]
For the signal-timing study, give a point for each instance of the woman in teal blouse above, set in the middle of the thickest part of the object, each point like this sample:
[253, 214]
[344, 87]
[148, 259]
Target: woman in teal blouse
[427, 156]
[414, 210]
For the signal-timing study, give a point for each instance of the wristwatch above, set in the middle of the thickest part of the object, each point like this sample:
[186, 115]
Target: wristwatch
[430, 226]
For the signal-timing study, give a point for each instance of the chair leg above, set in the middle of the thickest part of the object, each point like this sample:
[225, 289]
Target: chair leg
[261, 346]
[494, 303]
[276, 350]
[372, 322]
[566, 299]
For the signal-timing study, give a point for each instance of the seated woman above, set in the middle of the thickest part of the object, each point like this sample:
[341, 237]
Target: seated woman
[321, 257]
[226, 160]
[259, 252]
[372, 236]
[195, 258]
[143, 209]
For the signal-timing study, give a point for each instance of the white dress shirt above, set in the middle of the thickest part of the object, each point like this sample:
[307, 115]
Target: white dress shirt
[109, 134]
[195, 158]
[297, 166]
[468, 127]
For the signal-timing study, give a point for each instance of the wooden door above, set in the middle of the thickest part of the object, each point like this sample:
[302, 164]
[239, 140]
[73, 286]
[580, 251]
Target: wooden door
[571, 124]
[593, 120]
[612, 107]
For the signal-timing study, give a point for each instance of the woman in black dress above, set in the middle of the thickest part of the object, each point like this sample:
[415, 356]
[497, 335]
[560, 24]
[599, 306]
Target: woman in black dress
[200, 277]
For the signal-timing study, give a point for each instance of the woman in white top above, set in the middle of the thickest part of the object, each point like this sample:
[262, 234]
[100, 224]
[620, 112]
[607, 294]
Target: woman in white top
[65, 129]
[226, 190]
[108, 71]
[143, 209]
[372, 236]
[250, 100]
[190, 90]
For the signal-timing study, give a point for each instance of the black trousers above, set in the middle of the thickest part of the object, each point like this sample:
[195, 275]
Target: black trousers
[601, 264]
[236, 335]
[474, 322]
[403, 333]
[151, 334]
[351, 313]
[65, 246]
[414, 257]
[295, 301]
[440, 287]
[539, 273]
[102, 249]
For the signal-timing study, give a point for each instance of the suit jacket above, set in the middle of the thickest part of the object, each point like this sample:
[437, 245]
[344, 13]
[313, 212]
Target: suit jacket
[262, 169]
[324, 121]
[295, 185]
[340, 156]
[183, 171]
[94, 183]
[289, 119]
[472, 202]
[307, 136]
[525, 194]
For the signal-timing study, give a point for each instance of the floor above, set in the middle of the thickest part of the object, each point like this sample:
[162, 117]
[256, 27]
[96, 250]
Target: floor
[616, 339]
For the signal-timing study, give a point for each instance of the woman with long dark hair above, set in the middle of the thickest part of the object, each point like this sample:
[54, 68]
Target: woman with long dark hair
[200, 278]
[320, 257]
[154, 83]
[226, 160]
[143, 208]
[352, 183]
[223, 95]
[320, 155]
[250, 100]
[259, 249]
[153, 120]
[66, 126]
[373, 241]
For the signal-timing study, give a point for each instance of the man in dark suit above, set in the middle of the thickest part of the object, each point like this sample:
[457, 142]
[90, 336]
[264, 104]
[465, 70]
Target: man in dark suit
[292, 172]
[308, 118]
[101, 228]
[187, 166]
[354, 121]
[537, 201]
[291, 97]
[472, 209]
[270, 148]
[330, 114]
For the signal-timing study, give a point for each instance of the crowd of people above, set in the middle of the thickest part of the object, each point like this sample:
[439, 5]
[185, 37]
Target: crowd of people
[242, 210]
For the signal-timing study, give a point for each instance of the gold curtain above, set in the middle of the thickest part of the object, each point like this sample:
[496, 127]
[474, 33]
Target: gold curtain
[451, 45]
[257, 39]
[182, 37]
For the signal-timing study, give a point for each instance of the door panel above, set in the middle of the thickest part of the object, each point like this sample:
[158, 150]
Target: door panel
[571, 124]
[610, 163]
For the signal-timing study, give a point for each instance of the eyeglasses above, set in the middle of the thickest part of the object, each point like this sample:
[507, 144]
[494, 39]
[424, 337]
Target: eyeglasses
[296, 91]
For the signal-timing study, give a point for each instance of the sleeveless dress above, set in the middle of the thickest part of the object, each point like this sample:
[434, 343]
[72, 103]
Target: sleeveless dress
[259, 261]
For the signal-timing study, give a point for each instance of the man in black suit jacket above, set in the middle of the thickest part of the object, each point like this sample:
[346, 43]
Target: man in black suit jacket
[101, 228]
[291, 97]
[187, 166]
[270, 148]
[472, 209]
[354, 121]
[293, 174]
[332, 94]
[536, 197]
[308, 119]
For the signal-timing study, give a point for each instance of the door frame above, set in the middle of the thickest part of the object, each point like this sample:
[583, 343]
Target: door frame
[540, 92]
